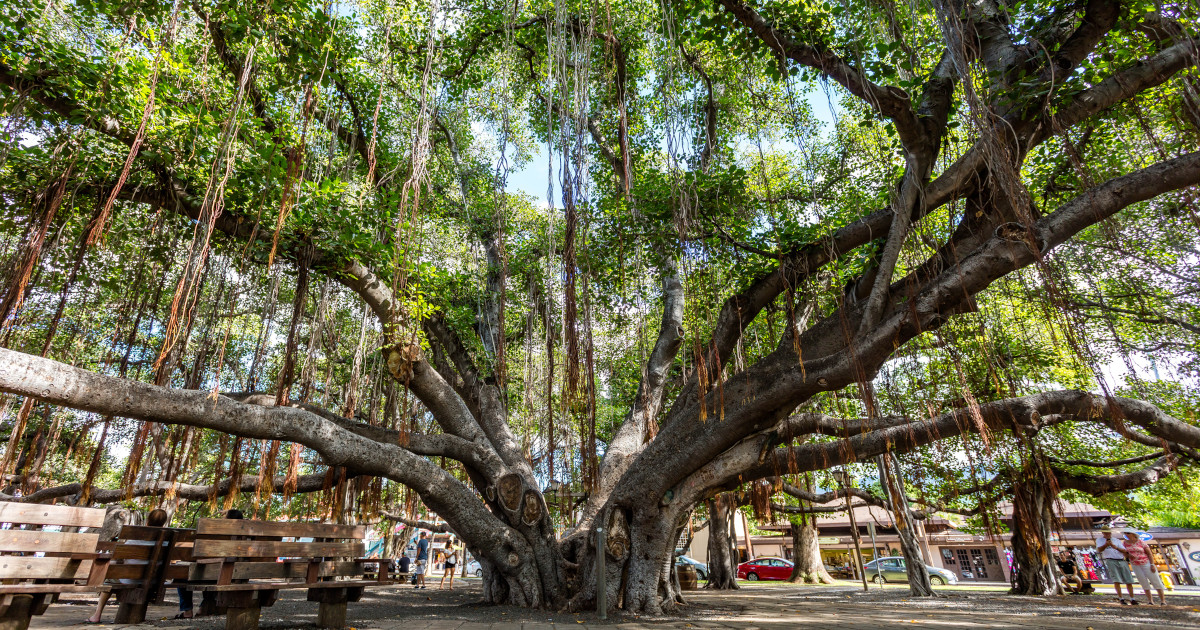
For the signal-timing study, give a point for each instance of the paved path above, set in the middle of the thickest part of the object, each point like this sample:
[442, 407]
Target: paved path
[758, 607]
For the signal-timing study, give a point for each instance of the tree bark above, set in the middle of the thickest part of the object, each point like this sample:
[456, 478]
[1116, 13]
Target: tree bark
[918, 577]
[1033, 500]
[722, 558]
[806, 553]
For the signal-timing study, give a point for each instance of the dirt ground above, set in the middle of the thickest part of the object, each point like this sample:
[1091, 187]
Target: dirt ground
[760, 606]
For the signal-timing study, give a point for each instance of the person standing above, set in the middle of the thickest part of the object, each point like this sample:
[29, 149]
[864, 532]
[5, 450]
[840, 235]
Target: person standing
[1115, 563]
[1143, 568]
[451, 564]
[423, 560]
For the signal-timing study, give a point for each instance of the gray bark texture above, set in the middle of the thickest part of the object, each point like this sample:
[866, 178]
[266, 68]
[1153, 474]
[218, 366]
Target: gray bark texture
[893, 482]
[808, 568]
[722, 557]
[670, 455]
[1033, 518]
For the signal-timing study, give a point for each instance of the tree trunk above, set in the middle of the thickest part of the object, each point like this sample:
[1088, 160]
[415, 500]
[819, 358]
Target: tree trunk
[722, 560]
[806, 553]
[1032, 573]
[893, 483]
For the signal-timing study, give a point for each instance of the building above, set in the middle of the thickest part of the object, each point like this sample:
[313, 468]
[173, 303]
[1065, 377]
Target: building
[743, 545]
[981, 557]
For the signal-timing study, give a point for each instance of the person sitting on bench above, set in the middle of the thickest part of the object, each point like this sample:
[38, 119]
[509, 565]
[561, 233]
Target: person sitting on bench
[1070, 579]
[156, 518]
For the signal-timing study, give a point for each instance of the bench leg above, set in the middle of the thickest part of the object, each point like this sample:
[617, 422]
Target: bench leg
[131, 613]
[331, 616]
[17, 614]
[209, 606]
[242, 618]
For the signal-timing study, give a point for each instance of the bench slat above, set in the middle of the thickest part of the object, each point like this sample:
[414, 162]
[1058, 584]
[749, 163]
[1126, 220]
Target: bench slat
[143, 532]
[33, 568]
[263, 548]
[276, 570]
[65, 515]
[275, 586]
[62, 542]
[17, 589]
[142, 552]
[176, 571]
[235, 527]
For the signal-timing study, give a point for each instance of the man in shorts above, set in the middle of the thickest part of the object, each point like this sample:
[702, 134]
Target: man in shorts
[1112, 550]
[1070, 579]
[423, 561]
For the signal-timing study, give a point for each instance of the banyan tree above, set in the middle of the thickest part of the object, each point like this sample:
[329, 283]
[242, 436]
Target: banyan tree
[268, 249]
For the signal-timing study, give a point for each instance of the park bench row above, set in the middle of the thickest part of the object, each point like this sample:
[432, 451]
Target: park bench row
[238, 566]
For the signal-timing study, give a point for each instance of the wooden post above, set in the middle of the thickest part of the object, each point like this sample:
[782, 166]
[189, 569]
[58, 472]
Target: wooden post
[242, 618]
[875, 553]
[131, 613]
[844, 478]
[601, 583]
[331, 615]
[17, 613]
[858, 561]
[332, 610]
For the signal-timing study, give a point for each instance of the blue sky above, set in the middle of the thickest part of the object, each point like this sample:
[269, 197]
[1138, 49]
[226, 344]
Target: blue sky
[531, 178]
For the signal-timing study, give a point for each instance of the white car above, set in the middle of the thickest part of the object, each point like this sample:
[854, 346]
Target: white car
[473, 568]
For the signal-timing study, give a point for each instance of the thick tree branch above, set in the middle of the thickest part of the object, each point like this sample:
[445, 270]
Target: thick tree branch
[1140, 316]
[890, 101]
[1097, 485]
[633, 433]
[60, 384]
[191, 492]
[1113, 464]
[441, 528]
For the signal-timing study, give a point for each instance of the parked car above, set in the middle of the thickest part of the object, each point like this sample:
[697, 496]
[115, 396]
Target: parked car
[765, 569]
[700, 567]
[473, 568]
[894, 570]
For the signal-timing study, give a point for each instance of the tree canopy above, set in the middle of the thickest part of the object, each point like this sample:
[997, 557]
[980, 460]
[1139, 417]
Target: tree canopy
[286, 254]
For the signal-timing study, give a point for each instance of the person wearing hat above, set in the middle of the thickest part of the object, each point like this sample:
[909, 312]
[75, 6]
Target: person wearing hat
[1139, 559]
[1112, 550]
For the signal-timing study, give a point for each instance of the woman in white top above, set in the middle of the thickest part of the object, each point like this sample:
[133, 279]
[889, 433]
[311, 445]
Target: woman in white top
[451, 556]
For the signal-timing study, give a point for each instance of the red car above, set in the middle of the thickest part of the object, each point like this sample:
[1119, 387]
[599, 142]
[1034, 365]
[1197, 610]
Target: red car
[765, 569]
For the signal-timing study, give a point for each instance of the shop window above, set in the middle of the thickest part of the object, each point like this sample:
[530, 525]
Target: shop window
[991, 556]
[947, 557]
[965, 561]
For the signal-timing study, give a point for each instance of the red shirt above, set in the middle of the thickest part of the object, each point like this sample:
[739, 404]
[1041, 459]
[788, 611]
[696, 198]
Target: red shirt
[1138, 552]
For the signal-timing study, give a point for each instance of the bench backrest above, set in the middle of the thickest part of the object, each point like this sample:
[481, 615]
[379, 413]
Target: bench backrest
[249, 550]
[154, 553]
[64, 555]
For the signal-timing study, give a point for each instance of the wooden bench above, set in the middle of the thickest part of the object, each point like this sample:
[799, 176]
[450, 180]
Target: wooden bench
[36, 565]
[246, 563]
[371, 572]
[143, 560]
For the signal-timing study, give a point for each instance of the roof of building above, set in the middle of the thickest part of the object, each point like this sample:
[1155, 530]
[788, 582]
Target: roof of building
[883, 518]
[1173, 530]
